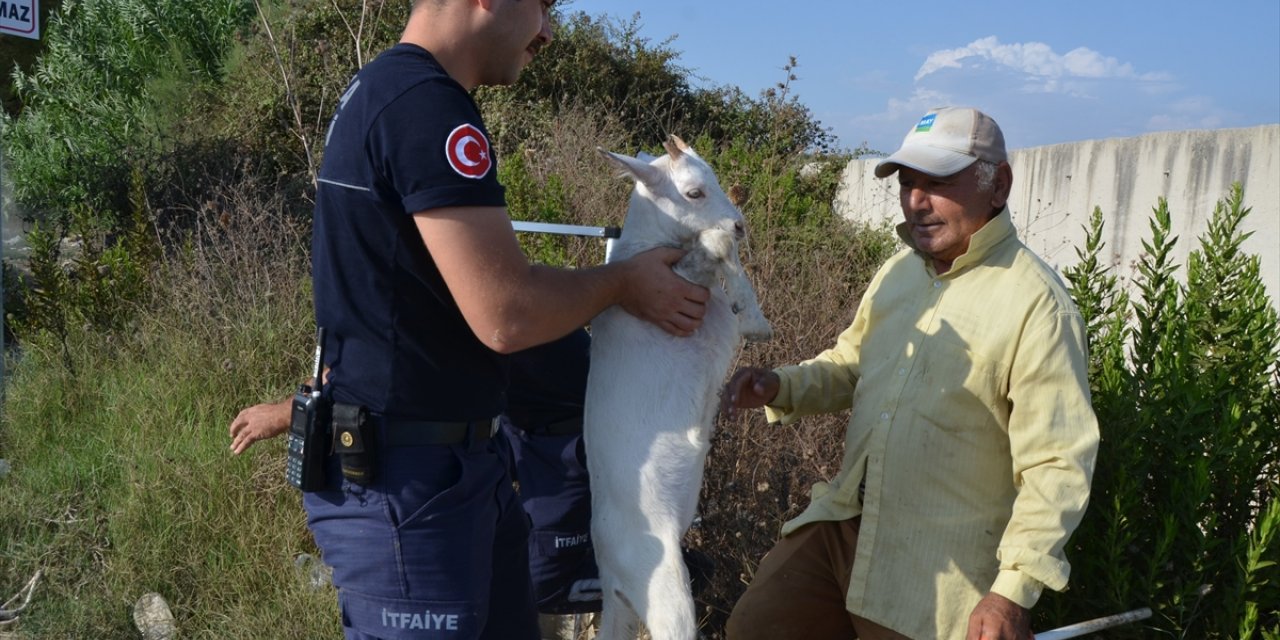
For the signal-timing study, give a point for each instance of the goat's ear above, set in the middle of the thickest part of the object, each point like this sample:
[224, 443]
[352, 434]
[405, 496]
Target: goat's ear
[638, 170]
[677, 147]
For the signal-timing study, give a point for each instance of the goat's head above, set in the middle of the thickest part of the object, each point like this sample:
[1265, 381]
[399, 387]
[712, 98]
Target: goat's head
[677, 192]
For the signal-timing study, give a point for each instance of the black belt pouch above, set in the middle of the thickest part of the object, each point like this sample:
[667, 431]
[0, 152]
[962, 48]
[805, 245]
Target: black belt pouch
[353, 441]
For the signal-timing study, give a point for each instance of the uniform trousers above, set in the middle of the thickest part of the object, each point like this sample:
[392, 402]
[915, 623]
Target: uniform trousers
[434, 548]
[550, 469]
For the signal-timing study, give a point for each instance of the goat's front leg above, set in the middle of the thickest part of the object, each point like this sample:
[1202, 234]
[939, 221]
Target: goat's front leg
[707, 253]
[751, 321]
[714, 255]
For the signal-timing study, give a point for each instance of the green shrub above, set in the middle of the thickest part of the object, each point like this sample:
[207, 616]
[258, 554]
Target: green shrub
[604, 66]
[96, 279]
[113, 75]
[1184, 378]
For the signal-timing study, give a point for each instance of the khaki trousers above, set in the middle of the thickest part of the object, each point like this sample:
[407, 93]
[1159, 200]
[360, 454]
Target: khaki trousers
[799, 589]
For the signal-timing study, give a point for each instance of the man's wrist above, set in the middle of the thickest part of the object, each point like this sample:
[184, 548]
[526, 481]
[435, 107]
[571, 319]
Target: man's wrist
[776, 410]
[1020, 588]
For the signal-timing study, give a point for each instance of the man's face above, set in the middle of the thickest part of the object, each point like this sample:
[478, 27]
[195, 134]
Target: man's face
[521, 29]
[943, 213]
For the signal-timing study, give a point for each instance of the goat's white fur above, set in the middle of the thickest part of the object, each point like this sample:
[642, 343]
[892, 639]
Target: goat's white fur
[652, 397]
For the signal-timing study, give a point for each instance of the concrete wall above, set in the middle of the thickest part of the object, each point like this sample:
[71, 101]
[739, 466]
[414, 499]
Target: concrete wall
[1056, 187]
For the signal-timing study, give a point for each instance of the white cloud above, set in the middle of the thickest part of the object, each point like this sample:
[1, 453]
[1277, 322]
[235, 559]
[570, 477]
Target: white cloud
[1047, 70]
[1040, 96]
[1195, 112]
[920, 101]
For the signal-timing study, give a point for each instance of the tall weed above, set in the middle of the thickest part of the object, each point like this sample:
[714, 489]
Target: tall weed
[122, 483]
[1184, 380]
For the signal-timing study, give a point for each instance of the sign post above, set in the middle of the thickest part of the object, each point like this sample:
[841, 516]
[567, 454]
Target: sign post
[20, 18]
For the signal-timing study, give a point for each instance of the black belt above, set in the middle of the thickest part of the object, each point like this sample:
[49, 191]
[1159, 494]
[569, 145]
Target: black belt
[562, 428]
[397, 432]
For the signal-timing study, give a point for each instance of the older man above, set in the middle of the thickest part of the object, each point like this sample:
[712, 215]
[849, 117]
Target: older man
[971, 442]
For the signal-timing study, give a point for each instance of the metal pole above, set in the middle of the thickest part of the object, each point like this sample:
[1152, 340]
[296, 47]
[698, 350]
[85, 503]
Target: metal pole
[610, 234]
[1090, 626]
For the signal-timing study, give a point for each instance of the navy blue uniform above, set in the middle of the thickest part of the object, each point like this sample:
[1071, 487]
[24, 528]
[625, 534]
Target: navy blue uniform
[435, 546]
[544, 431]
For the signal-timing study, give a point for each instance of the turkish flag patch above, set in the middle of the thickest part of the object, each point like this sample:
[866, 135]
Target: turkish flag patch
[468, 152]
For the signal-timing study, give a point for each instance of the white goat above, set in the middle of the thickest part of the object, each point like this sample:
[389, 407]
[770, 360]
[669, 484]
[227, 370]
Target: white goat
[652, 397]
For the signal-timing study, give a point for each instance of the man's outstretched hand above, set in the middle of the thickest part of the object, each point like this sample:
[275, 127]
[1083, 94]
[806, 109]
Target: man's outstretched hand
[749, 388]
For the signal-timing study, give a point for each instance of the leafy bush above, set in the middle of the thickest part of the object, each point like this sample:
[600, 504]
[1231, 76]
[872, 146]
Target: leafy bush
[95, 280]
[603, 66]
[112, 75]
[1185, 503]
[283, 84]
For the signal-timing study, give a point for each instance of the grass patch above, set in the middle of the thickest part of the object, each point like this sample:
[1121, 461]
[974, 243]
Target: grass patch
[122, 481]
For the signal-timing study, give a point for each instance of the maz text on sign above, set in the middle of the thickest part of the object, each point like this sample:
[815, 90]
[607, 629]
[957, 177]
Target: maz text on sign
[20, 18]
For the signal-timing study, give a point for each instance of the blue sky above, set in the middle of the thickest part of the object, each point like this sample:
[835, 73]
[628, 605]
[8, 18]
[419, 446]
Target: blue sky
[1048, 72]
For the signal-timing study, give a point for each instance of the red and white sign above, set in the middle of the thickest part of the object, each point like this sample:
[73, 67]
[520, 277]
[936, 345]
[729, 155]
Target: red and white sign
[468, 152]
[20, 18]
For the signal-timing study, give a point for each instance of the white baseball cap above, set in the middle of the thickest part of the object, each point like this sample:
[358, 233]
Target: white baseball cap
[945, 142]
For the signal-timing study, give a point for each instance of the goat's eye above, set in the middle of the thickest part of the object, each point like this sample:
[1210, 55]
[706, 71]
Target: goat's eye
[693, 194]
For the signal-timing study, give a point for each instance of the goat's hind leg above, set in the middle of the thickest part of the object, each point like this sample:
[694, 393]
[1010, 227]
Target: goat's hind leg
[618, 621]
[671, 614]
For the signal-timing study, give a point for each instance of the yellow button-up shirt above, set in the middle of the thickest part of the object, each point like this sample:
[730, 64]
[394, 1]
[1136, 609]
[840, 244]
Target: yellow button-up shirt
[971, 427]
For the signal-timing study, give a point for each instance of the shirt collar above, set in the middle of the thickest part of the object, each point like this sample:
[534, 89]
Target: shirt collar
[981, 244]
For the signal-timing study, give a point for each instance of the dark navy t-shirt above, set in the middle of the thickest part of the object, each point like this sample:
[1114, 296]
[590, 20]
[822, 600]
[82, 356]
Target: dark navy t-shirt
[549, 382]
[405, 138]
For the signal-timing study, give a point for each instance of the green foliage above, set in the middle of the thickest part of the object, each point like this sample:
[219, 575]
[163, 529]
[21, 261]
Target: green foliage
[1255, 589]
[93, 107]
[533, 201]
[1184, 511]
[85, 275]
[283, 83]
[605, 67]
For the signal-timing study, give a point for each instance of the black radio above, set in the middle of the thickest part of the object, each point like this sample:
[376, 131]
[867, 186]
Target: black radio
[309, 430]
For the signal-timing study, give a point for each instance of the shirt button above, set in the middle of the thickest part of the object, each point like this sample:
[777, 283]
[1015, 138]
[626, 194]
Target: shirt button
[902, 372]
[884, 416]
[937, 284]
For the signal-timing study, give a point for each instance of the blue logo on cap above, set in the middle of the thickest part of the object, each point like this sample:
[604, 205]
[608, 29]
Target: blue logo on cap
[926, 123]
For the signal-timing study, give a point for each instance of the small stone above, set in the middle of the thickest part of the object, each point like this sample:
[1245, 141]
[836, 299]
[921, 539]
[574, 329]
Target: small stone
[153, 618]
[4, 468]
[315, 573]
